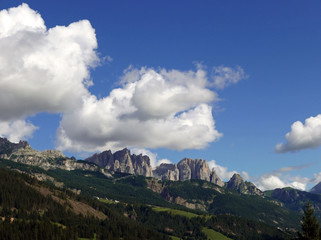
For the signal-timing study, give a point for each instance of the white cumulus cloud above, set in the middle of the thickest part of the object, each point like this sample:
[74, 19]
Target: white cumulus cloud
[152, 109]
[16, 130]
[280, 179]
[48, 70]
[302, 136]
[42, 70]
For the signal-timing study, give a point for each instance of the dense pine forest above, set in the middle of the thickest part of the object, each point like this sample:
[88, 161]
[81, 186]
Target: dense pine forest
[32, 209]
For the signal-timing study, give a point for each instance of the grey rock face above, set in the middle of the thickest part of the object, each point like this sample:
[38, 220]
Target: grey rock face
[123, 161]
[187, 169]
[103, 159]
[193, 169]
[29, 156]
[141, 165]
[167, 171]
[214, 178]
[237, 183]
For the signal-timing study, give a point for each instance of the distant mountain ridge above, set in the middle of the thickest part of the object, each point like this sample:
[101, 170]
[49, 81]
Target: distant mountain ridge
[48, 159]
[186, 169]
[125, 162]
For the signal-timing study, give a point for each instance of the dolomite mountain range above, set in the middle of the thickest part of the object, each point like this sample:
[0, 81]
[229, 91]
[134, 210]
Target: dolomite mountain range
[125, 162]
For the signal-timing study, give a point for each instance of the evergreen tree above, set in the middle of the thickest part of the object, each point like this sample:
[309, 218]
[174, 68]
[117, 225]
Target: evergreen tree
[310, 226]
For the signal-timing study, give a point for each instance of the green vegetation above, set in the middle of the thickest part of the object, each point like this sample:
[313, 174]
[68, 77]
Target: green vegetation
[213, 235]
[175, 212]
[310, 225]
[131, 218]
[220, 201]
[34, 210]
[296, 200]
[175, 238]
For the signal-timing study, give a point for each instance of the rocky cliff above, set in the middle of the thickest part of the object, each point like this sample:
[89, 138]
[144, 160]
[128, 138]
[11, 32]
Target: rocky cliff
[123, 161]
[238, 184]
[48, 159]
[7, 147]
[187, 169]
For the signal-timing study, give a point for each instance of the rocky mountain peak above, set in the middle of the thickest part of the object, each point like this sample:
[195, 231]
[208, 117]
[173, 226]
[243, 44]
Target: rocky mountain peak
[238, 184]
[193, 169]
[7, 147]
[166, 171]
[236, 180]
[123, 161]
[214, 178]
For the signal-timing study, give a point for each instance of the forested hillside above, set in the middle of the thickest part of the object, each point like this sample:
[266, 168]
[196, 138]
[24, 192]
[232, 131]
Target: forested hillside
[31, 209]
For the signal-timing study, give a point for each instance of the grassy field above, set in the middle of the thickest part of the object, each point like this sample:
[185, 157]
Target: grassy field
[175, 238]
[213, 235]
[175, 212]
[107, 201]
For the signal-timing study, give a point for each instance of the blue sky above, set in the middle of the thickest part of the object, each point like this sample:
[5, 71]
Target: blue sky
[269, 51]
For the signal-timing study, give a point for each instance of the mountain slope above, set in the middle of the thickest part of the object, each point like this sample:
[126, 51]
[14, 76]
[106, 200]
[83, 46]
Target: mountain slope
[295, 199]
[197, 194]
[33, 210]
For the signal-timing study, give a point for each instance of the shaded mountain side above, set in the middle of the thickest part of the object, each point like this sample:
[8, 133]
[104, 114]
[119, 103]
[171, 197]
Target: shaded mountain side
[202, 195]
[295, 199]
[7, 147]
[316, 189]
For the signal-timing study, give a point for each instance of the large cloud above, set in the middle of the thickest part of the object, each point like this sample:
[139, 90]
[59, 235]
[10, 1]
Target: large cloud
[153, 109]
[48, 70]
[42, 70]
[302, 136]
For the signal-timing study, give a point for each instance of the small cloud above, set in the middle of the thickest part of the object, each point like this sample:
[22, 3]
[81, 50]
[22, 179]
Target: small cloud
[223, 76]
[17, 130]
[302, 136]
[106, 59]
[164, 160]
[246, 176]
[221, 171]
[278, 179]
[152, 156]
